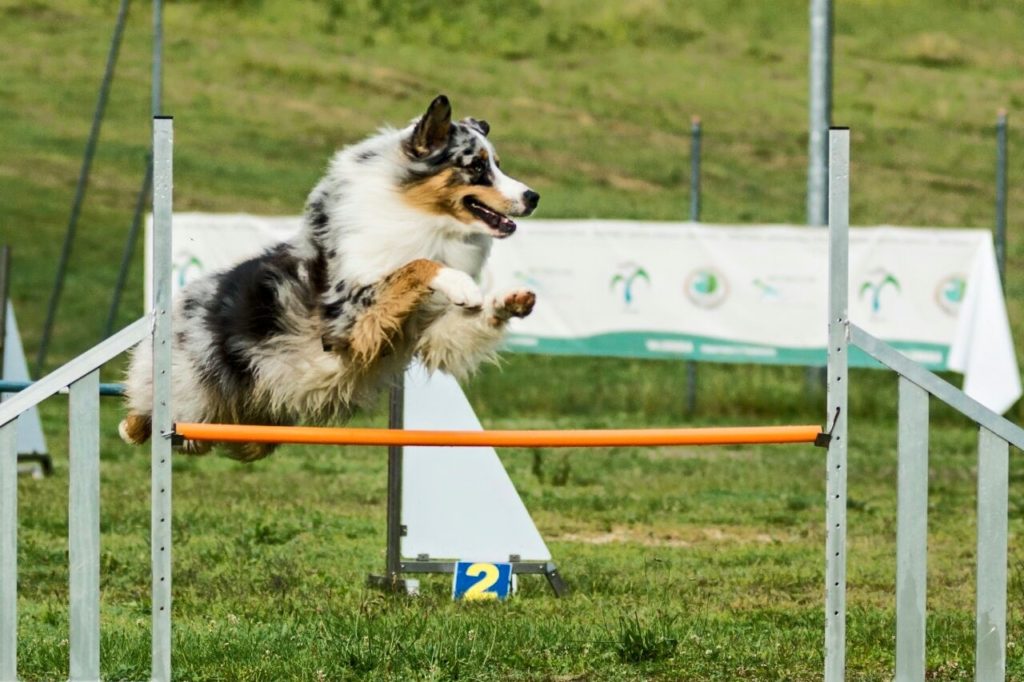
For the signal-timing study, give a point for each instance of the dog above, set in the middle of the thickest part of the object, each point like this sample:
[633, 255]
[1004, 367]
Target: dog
[384, 270]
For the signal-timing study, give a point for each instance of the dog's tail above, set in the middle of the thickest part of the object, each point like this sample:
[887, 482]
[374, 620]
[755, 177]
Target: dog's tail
[135, 429]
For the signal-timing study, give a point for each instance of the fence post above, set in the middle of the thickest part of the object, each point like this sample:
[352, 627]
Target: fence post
[1001, 195]
[5, 279]
[695, 146]
[820, 111]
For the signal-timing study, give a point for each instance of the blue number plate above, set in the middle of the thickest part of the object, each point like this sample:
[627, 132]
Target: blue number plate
[481, 580]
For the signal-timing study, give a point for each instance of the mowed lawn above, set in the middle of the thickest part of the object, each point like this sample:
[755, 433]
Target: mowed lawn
[683, 563]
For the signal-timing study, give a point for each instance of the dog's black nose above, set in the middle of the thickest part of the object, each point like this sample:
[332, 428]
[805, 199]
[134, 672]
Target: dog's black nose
[530, 198]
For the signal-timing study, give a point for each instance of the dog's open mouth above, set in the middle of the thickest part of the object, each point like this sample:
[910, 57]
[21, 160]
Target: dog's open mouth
[501, 225]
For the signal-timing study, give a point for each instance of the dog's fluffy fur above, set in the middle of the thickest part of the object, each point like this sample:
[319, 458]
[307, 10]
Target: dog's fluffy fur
[383, 271]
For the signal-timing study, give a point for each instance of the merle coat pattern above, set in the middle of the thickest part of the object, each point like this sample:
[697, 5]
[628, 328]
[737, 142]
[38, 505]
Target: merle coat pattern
[384, 270]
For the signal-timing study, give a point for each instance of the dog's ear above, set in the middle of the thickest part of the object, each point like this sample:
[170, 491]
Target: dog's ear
[432, 131]
[483, 127]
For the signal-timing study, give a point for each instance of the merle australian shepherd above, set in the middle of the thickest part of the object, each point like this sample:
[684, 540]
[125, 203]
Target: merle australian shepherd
[384, 270]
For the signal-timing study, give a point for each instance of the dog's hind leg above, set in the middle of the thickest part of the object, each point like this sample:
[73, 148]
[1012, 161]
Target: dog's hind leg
[136, 428]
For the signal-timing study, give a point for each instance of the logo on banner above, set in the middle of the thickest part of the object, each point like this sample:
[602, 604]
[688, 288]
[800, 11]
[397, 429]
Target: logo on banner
[768, 292]
[876, 287]
[626, 279]
[949, 294]
[187, 270]
[706, 288]
[527, 280]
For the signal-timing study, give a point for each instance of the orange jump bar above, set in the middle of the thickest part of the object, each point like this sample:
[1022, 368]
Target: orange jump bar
[740, 435]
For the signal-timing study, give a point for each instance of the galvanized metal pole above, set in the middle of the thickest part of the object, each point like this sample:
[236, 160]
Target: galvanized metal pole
[84, 527]
[157, 78]
[695, 140]
[83, 181]
[9, 551]
[5, 280]
[819, 119]
[838, 379]
[990, 619]
[163, 146]
[820, 111]
[1001, 195]
[911, 531]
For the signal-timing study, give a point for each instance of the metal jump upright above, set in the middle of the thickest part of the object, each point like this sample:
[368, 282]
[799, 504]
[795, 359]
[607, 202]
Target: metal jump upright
[916, 384]
[81, 375]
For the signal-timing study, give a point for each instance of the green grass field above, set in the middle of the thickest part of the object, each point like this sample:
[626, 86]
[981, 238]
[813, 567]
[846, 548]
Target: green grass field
[703, 564]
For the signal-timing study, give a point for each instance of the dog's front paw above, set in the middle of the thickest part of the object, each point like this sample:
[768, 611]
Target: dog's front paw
[515, 303]
[459, 288]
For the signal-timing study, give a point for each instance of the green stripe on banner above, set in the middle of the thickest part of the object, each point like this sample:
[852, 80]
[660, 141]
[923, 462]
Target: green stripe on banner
[659, 345]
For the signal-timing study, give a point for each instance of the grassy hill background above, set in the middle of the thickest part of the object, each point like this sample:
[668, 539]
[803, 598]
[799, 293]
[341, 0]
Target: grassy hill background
[590, 101]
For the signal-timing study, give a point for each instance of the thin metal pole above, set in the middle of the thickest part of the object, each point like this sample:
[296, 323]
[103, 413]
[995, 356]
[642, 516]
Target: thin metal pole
[157, 78]
[5, 281]
[990, 619]
[83, 181]
[911, 531]
[838, 379]
[819, 119]
[820, 111]
[84, 527]
[396, 420]
[695, 139]
[9, 551]
[129, 248]
[1001, 195]
[163, 145]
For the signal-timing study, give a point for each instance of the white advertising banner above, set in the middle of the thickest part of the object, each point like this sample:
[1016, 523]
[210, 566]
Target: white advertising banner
[752, 294]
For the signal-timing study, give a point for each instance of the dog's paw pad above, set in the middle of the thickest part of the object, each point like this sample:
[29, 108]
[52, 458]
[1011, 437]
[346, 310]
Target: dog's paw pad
[459, 288]
[518, 303]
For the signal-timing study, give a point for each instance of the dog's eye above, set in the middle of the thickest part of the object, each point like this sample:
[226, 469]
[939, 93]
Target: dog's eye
[478, 165]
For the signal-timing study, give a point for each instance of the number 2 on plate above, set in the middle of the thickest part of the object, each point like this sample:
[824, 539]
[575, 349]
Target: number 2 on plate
[489, 576]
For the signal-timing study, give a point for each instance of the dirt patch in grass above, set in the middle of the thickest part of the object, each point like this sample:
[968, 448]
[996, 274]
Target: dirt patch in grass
[684, 537]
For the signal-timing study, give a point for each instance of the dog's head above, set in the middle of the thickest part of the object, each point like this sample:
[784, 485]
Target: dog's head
[454, 171]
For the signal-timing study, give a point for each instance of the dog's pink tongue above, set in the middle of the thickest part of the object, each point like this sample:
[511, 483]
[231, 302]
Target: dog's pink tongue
[504, 227]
